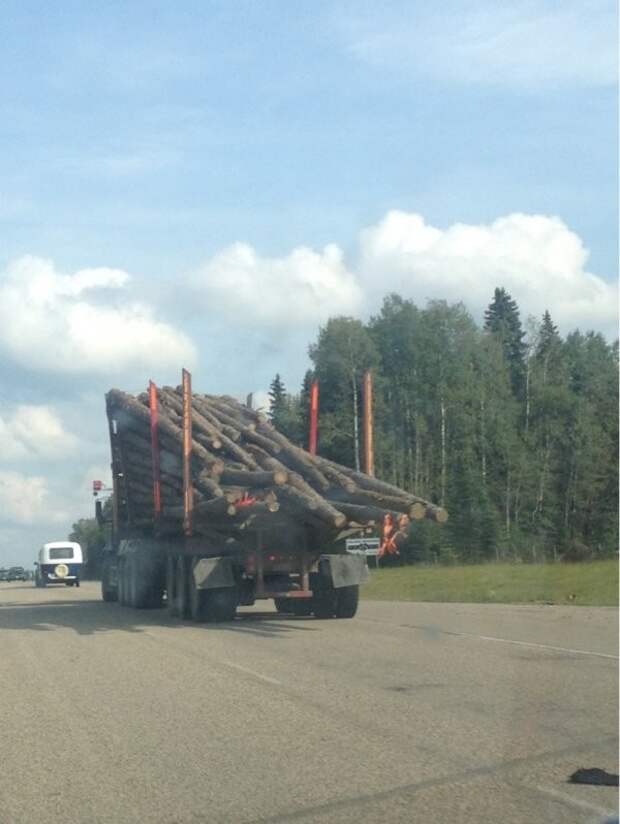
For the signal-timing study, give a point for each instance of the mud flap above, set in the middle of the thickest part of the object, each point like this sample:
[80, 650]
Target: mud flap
[214, 573]
[345, 570]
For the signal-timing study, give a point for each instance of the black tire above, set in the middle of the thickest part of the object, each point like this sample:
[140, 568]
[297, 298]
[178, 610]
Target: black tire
[171, 585]
[197, 600]
[109, 593]
[182, 588]
[77, 582]
[347, 600]
[324, 604]
[220, 604]
[283, 605]
[302, 606]
[122, 582]
[69, 583]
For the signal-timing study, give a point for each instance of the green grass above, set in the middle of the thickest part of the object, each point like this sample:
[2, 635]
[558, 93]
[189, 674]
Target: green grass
[592, 583]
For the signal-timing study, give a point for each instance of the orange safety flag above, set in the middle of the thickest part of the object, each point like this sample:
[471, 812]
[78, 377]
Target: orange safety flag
[246, 500]
[388, 545]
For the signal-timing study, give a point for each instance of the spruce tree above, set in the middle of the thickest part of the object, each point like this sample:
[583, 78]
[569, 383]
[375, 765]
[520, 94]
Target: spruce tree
[502, 320]
[277, 402]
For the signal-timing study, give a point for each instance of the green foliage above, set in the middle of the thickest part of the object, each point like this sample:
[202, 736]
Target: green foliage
[589, 584]
[284, 410]
[517, 438]
[91, 537]
[502, 320]
[343, 352]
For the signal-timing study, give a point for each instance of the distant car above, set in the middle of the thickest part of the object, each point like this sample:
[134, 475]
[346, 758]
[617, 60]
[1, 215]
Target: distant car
[16, 574]
[3, 574]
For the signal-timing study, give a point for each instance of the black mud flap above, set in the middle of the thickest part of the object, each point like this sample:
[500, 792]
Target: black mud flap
[345, 570]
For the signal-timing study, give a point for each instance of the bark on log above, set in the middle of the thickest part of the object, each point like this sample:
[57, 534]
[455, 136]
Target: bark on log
[127, 408]
[256, 478]
[294, 457]
[320, 508]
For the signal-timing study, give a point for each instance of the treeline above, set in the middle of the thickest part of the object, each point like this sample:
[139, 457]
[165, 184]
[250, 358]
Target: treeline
[514, 431]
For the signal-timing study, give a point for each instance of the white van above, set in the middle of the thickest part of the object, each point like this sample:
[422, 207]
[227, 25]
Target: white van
[59, 562]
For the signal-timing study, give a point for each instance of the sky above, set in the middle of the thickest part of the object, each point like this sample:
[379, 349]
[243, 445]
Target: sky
[203, 184]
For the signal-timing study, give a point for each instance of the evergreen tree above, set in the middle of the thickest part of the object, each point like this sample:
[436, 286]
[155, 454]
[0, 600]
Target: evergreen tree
[502, 320]
[277, 401]
[284, 411]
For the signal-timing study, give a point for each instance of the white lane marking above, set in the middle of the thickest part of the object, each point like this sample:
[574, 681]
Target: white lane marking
[576, 802]
[248, 671]
[437, 631]
[534, 644]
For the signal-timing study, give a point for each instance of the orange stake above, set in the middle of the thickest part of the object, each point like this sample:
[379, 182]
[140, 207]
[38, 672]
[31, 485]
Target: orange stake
[314, 417]
[154, 410]
[188, 491]
[369, 452]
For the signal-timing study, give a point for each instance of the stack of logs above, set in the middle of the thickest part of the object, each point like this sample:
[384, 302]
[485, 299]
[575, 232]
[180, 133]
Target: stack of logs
[245, 474]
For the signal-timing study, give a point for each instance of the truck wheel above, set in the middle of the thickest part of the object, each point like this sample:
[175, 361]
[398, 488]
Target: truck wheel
[197, 600]
[283, 605]
[324, 603]
[122, 595]
[301, 606]
[220, 604]
[182, 588]
[347, 599]
[171, 583]
[108, 592]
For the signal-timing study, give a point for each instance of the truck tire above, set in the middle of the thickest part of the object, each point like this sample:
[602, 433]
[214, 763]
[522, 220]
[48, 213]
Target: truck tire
[182, 588]
[108, 592]
[347, 599]
[302, 606]
[171, 584]
[122, 582]
[146, 584]
[220, 604]
[197, 600]
[324, 603]
[283, 605]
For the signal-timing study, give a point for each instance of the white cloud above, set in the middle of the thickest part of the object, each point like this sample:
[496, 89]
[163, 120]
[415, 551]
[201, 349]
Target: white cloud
[34, 432]
[58, 322]
[25, 499]
[304, 288]
[522, 44]
[537, 258]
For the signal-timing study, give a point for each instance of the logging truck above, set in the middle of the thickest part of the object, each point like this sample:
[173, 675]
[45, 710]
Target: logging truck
[212, 508]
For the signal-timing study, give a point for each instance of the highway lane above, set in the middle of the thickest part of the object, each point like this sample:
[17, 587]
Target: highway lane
[425, 712]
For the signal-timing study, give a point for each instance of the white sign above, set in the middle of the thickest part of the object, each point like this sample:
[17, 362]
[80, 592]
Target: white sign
[363, 546]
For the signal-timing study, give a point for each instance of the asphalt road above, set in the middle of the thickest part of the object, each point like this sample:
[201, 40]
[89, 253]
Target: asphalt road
[409, 712]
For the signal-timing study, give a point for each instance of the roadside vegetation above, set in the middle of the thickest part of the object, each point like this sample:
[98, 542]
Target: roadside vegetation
[512, 427]
[593, 583]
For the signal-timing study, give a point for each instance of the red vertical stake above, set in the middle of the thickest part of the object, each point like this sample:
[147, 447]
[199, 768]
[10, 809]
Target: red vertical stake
[154, 410]
[314, 417]
[369, 451]
[188, 491]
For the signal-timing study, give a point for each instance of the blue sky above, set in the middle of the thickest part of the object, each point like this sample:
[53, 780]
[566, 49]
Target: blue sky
[190, 161]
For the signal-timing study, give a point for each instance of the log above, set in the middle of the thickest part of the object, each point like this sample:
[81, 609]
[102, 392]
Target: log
[320, 508]
[364, 497]
[232, 432]
[365, 514]
[215, 506]
[335, 476]
[199, 422]
[257, 478]
[127, 409]
[294, 457]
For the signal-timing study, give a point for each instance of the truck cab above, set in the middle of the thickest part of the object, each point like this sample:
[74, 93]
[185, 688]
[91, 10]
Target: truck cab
[59, 562]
